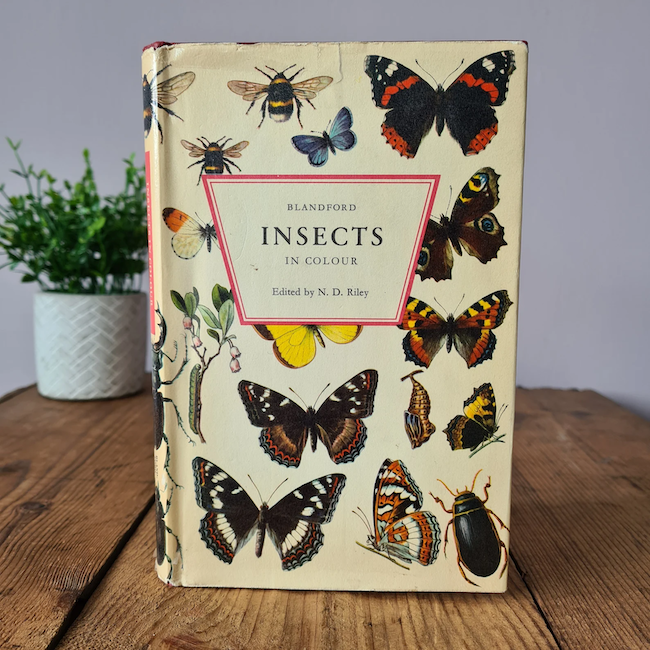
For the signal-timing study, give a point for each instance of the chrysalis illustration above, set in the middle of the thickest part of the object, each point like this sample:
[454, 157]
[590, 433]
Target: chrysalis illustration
[416, 419]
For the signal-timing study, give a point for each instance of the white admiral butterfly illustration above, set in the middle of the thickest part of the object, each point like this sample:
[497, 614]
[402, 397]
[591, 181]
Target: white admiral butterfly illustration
[293, 523]
[317, 147]
[467, 106]
[337, 423]
[401, 531]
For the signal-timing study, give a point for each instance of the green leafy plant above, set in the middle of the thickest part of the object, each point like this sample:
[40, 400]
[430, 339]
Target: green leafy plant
[218, 324]
[69, 239]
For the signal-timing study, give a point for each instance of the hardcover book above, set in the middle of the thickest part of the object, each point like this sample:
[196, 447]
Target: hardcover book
[334, 262]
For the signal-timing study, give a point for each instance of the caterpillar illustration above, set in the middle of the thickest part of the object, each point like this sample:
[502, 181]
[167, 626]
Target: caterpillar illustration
[416, 419]
[196, 378]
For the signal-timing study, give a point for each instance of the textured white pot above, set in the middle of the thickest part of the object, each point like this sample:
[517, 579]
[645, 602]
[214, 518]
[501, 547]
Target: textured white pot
[88, 346]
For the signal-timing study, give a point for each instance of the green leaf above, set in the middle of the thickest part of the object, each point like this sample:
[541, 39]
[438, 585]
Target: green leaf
[196, 295]
[214, 334]
[226, 315]
[209, 317]
[29, 278]
[220, 295]
[178, 301]
[190, 302]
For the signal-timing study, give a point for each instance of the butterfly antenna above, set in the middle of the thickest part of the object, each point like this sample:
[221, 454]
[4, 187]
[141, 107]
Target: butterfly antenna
[449, 202]
[300, 398]
[255, 486]
[441, 307]
[363, 518]
[427, 72]
[459, 302]
[277, 488]
[502, 410]
[319, 395]
[456, 70]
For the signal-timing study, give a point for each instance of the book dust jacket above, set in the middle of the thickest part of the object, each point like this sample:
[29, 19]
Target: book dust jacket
[334, 264]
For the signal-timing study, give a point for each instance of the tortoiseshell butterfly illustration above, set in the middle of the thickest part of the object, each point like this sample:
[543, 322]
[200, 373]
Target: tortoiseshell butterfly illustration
[471, 333]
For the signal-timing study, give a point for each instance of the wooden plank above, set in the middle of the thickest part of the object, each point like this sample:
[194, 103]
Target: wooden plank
[581, 516]
[133, 609]
[74, 478]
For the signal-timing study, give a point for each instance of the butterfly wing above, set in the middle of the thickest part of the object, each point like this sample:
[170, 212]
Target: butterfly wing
[479, 422]
[294, 346]
[436, 258]
[410, 101]
[232, 516]
[294, 523]
[284, 430]
[471, 98]
[314, 146]
[339, 419]
[427, 332]
[472, 334]
[401, 530]
[472, 224]
[189, 234]
[340, 333]
[340, 134]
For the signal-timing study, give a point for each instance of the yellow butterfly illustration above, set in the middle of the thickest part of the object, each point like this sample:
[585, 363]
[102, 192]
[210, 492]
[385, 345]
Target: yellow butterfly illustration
[295, 345]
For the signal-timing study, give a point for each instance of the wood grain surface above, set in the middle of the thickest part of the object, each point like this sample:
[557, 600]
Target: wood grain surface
[581, 516]
[74, 480]
[77, 560]
[133, 609]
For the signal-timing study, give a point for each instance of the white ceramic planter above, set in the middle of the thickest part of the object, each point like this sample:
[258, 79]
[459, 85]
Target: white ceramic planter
[88, 346]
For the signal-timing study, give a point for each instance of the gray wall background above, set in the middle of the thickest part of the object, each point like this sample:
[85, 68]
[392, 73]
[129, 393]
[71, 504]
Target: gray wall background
[71, 79]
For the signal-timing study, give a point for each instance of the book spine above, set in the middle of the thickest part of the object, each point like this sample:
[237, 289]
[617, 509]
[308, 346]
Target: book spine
[153, 61]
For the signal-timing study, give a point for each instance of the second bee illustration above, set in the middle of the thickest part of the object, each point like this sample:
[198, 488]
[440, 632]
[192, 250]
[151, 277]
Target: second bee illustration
[214, 158]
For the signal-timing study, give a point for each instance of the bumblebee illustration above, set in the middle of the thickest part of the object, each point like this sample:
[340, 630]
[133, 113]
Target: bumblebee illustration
[161, 94]
[214, 158]
[280, 94]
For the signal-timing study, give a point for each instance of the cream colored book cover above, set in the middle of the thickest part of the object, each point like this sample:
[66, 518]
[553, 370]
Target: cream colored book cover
[334, 264]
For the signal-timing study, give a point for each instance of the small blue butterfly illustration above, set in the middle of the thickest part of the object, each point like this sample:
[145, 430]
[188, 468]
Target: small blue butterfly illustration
[340, 137]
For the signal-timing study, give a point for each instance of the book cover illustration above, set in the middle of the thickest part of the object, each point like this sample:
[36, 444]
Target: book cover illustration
[316, 266]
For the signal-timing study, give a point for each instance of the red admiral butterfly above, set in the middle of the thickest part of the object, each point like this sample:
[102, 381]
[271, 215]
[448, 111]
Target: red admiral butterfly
[293, 523]
[471, 226]
[401, 531]
[471, 333]
[337, 423]
[466, 106]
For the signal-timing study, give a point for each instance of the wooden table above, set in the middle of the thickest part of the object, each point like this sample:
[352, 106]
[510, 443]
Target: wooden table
[77, 544]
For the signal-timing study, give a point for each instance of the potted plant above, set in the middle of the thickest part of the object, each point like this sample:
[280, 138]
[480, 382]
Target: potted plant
[87, 254]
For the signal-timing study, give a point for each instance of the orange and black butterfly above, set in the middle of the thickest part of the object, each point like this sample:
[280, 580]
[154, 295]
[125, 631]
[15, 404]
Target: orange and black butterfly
[478, 427]
[189, 233]
[471, 227]
[280, 94]
[214, 158]
[402, 531]
[160, 94]
[471, 333]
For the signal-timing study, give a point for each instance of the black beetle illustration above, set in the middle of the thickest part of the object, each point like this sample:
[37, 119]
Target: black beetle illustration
[478, 544]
